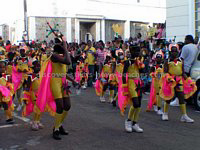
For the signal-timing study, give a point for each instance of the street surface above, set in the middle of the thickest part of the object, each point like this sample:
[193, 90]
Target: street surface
[99, 126]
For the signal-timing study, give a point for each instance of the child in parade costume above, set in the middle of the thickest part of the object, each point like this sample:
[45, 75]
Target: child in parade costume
[156, 72]
[6, 93]
[82, 72]
[176, 83]
[132, 88]
[53, 94]
[30, 93]
[119, 72]
[19, 73]
[105, 81]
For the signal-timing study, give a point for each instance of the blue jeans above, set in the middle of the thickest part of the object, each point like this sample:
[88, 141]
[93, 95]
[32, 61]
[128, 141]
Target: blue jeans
[91, 75]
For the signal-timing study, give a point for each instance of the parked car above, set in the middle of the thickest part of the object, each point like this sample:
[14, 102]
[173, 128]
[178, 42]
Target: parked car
[195, 75]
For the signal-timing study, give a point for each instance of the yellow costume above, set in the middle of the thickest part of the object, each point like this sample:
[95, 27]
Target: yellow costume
[58, 72]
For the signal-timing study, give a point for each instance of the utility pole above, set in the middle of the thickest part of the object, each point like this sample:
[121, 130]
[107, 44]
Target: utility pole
[25, 20]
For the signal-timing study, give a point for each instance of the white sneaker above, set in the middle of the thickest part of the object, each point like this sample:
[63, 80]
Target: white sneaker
[128, 126]
[34, 127]
[110, 100]
[19, 108]
[165, 117]
[83, 87]
[185, 118]
[155, 108]
[85, 84]
[159, 112]
[40, 125]
[102, 99]
[175, 102]
[137, 128]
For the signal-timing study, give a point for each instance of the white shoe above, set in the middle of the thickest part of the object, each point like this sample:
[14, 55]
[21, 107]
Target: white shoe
[34, 126]
[40, 125]
[19, 108]
[159, 112]
[110, 100]
[175, 102]
[165, 117]
[137, 128]
[128, 126]
[185, 118]
[85, 84]
[83, 87]
[155, 108]
[102, 99]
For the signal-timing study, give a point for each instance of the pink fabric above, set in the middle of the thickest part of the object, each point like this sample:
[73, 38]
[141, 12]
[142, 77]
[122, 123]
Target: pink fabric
[152, 95]
[4, 91]
[188, 87]
[77, 75]
[16, 78]
[121, 98]
[29, 107]
[98, 86]
[45, 96]
[166, 88]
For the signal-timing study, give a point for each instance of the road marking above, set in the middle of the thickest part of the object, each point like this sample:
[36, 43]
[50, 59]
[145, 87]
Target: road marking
[21, 118]
[197, 111]
[10, 125]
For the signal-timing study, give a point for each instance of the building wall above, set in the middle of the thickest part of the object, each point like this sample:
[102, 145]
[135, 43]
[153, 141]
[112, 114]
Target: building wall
[73, 29]
[180, 19]
[42, 29]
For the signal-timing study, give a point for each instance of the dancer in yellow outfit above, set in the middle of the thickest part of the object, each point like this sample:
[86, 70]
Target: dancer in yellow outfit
[176, 76]
[60, 59]
[106, 81]
[133, 67]
[6, 93]
[31, 87]
[156, 73]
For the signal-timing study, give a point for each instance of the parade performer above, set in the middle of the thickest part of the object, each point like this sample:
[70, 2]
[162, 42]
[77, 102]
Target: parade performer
[90, 60]
[53, 94]
[105, 81]
[156, 73]
[82, 72]
[19, 74]
[6, 93]
[132, 88]
[30, 94]
[176, 83]
[119, 73]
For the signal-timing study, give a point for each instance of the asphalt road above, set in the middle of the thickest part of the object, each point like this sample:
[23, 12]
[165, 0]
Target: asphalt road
[99, 126]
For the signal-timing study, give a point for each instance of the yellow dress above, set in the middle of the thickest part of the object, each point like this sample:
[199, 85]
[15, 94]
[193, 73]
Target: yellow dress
[133, 73]
[158, 75]
[58, 72]
[175, 70]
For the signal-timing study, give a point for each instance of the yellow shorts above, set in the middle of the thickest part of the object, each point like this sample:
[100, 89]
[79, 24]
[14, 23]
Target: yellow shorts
[57, 88]
[132, 88]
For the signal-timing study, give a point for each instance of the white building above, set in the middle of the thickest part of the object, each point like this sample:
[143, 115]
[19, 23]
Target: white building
[81, 20]
[4, 32]
[181, 18]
